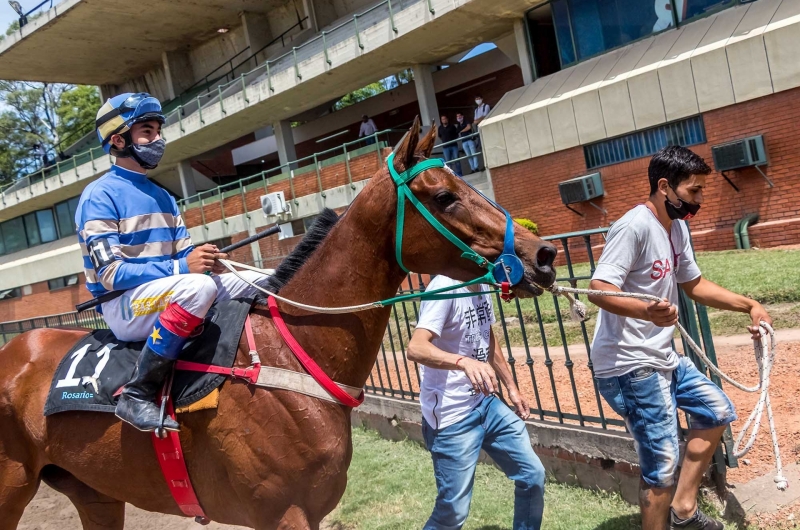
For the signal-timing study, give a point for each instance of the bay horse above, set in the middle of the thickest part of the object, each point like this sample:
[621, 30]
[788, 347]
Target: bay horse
[263, 459]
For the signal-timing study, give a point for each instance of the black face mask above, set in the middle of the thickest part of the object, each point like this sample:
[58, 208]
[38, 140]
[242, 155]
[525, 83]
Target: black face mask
[684, 211]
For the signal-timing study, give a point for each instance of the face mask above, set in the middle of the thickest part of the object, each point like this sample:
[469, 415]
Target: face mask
[148, 155]
[478, 101]
[684, 211]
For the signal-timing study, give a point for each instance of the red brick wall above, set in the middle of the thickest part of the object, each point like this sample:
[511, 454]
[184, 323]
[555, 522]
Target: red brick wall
[43, 302]
[530, 188]
[361, 168]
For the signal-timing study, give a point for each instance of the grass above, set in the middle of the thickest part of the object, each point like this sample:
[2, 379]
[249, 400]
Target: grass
[391, 486]
[768, 276]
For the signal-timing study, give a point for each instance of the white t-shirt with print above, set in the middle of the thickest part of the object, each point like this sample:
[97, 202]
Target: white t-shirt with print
[461, 326]
[640, 257]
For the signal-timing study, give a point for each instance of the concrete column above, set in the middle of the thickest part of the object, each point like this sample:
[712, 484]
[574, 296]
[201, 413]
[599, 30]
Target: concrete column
[525, 62]
[257, 32]
[108, 92]
[285, 141]
[426, 95]
[178, 72]
[186, 173]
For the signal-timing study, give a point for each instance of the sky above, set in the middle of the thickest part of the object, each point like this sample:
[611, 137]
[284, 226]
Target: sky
[8, 15]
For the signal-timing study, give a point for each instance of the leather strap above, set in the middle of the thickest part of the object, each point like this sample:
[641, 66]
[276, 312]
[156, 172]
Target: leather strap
[173, 467]
[308, 363]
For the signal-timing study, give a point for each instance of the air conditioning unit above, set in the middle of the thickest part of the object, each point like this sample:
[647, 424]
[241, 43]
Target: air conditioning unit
[274, 204]
[581, 189]
[746, 152]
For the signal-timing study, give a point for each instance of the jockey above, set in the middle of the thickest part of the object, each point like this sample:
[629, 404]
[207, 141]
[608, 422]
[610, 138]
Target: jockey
[133, 239]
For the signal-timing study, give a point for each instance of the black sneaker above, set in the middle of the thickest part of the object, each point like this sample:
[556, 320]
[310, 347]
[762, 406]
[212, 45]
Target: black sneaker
[699, 521]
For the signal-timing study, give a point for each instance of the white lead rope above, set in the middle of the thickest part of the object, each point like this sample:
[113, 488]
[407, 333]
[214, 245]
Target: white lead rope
[764, 350]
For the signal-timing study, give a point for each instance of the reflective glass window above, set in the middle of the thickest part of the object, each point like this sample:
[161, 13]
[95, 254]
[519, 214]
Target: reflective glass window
[32, 229]
[14, 235]
[47, 225]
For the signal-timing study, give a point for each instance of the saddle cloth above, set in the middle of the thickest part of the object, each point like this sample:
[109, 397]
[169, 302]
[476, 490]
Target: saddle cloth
[98, 366]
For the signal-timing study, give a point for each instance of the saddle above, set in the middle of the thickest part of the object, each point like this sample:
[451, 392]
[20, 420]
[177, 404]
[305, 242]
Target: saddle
[93, 372]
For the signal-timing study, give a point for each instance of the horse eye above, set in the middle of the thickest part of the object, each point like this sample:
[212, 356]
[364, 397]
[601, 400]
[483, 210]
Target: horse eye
[445, 198]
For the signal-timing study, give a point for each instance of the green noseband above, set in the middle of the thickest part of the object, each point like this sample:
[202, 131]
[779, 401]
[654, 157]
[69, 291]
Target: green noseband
[401, 181]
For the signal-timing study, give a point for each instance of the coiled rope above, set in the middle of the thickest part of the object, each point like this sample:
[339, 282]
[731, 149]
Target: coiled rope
[765, 349]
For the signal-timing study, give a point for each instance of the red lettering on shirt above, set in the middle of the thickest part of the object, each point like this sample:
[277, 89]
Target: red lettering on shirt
[660, 269]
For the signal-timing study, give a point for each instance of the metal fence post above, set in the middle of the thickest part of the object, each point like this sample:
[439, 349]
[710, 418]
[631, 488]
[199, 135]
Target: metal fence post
[358, 37]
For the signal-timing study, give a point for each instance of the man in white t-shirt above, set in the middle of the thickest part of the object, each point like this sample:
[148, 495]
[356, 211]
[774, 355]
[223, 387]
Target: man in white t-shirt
[638, 373]
[460, 364]
[367, 129]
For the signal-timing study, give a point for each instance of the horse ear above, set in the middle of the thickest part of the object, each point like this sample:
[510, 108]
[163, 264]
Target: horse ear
[425, 146]
[404, 152]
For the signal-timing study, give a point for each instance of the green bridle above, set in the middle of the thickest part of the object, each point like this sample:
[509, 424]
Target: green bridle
[401, 181]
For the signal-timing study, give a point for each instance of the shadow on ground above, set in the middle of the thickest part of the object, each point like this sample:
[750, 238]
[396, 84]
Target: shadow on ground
[623, 522]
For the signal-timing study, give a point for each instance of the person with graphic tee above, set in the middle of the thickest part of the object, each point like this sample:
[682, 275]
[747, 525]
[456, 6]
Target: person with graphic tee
[638, 373]
[460, 363]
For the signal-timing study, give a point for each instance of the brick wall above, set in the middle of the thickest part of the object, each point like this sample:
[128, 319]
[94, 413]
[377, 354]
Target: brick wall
[42, 301]
[530, 188]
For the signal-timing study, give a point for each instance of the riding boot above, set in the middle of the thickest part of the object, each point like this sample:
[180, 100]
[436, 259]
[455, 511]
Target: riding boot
[136, 404]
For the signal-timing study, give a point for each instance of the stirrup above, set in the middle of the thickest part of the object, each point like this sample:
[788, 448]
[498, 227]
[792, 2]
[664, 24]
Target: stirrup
[166, 390]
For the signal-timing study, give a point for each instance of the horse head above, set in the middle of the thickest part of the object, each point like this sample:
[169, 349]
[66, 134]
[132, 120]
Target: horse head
[500, 246]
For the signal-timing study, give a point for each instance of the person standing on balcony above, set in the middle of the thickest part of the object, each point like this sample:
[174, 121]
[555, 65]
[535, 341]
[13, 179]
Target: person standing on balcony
[460, 365]
[367, 129]
[638, 373]
[134, 240]
[465, 131]
[448, 134]
[481, 111]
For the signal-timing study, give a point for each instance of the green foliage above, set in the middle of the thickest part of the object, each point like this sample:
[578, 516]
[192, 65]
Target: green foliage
[51, 115]
[532, 227]
[373, 89]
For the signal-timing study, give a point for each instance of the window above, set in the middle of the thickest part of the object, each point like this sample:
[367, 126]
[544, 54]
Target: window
[574, 30]
[59, 283]
[47, 225]
[14, 235]
[690, 131]
[8, 294]
[65, 216]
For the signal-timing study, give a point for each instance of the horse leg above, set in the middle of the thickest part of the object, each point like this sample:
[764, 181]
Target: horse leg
[295, 519]
[18, 486]
[97, 511]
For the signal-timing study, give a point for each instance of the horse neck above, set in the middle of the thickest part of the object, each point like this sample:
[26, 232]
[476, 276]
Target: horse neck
[355, 264]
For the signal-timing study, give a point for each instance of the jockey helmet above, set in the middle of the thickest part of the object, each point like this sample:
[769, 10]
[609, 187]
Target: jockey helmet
[118, 115]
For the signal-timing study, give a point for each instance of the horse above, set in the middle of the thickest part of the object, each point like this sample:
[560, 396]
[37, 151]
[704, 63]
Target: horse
[264, 458]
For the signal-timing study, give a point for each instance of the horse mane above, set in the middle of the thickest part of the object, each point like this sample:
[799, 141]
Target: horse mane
[314, 237]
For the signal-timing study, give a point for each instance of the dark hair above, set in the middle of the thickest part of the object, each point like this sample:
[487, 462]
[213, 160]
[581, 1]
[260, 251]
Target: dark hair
[676, 164]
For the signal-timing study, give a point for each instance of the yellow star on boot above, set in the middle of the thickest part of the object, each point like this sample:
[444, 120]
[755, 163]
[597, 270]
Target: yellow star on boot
[155, 336]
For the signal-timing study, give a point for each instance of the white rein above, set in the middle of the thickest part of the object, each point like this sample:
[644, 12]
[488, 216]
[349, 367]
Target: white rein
[765, 349]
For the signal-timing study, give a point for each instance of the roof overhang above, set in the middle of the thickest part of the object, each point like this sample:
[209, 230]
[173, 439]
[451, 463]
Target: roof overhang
[98, 42]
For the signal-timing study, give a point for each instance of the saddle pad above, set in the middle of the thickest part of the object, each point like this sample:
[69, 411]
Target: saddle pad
[92, 372]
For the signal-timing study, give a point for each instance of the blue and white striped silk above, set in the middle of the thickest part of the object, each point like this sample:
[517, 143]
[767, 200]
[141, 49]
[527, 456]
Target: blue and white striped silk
[130, 232]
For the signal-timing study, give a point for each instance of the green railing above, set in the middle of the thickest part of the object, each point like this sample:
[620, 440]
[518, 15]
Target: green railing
[292, 60]
[87, 319]
[309, 164]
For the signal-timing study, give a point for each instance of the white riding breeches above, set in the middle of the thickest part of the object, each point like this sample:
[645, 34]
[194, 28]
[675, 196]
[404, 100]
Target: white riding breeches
[132, 316]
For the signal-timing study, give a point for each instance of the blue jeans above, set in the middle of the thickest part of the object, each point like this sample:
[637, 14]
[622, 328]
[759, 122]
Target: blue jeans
[647, 399]
[450, 152]
[455, 451]
[369, 140]
[470, 149]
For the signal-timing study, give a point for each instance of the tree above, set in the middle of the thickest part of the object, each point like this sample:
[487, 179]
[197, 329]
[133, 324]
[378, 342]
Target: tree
[39, 121]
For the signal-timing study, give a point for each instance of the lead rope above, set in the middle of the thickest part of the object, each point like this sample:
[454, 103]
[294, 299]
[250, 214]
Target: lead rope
[578, 312]
[765, 349]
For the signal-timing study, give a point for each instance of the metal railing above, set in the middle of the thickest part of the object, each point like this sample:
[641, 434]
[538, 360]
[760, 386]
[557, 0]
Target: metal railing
[292, 60]
[309, 164]
[209, 83]
[90, 319]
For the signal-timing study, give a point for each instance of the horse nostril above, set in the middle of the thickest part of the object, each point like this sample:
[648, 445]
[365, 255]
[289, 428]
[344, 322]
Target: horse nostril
[545, 256]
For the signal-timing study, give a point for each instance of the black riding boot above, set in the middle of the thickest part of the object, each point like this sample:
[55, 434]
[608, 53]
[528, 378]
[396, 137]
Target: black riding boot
[136, 404]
